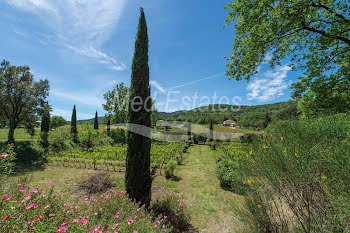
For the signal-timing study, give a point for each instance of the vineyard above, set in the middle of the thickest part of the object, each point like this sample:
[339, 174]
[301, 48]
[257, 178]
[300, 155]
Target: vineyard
[112, 158]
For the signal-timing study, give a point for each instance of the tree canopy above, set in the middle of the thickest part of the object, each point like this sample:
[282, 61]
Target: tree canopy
[117, 103]
[22, 99]
[311, 36]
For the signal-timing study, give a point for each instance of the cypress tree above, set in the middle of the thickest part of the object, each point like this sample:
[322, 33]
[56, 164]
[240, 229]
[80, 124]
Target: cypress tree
[211, 130]
[109, 126]
[267, 119]
[138, 179]
[45, 126]
[96, 121]
[189, 130]
[73, 126]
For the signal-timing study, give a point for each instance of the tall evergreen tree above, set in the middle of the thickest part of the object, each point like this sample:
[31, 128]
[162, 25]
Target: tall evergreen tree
[138, 179]
[45, 126]
[109, 126]
[96, 121]
[189, 131]
[211, 130]
[73, 126]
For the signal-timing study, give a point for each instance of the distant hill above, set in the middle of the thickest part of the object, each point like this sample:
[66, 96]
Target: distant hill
[247, 116]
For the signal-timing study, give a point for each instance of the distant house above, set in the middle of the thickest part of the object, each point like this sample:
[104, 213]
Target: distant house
[229, 123]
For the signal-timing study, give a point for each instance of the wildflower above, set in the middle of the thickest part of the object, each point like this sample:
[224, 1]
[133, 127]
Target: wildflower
[284, 150]
[84, 222]
[20, 184]
[264, 146]
[250, 152]
[282, 138]
[51, 186]
[21, 190]
[130, 221]
[4, 155]
[259, 206]
[7, 198]
[61, 229]
[47, 206]
[296, 154]
[249, 181]
[134, 231]
[30, 223]
[5, 217]
[52, 215]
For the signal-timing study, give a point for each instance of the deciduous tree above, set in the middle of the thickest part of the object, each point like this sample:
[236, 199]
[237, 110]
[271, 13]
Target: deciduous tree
[21, 98]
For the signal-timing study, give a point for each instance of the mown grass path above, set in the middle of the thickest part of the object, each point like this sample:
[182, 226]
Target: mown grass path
[212, 208]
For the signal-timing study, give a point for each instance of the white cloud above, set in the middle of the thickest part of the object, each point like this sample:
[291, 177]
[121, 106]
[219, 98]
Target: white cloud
[79, 25]
[90, 99]
[157, 86]
[271, 86]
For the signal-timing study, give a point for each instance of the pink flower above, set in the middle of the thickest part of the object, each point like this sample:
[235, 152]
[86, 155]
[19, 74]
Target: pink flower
[134, 232]
[5, 217]
[20, 184]
[21, 190]
[84, 222]
[30, 223]
[51, 186]
[130, 221]
[4, 155]
[47, 206]
[29, 186]
[61, 229]
[52, 215]
[7, 198]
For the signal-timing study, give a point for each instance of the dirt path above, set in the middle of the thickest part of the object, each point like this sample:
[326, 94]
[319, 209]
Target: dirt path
[212, 208]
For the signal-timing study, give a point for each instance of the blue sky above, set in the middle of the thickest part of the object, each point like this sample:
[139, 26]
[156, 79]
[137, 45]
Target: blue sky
[85, 47]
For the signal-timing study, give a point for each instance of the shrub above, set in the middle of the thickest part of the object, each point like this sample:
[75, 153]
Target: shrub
[229, 175]
[169, 169]
[195, 139]
[118, 135]
[185, 148]
[28, 209]
[179, 158]
[60, 138]
[305, 167]
[248, 138]
[7, 161]
[28, 153]
[173, 210]
[90, 138]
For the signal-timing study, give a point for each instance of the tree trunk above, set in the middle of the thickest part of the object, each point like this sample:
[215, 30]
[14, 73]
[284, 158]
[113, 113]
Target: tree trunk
[11, 135]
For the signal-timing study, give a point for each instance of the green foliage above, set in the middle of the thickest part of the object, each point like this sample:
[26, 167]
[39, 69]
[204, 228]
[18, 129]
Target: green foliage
[60, 138]
[57, 121]
[173, 209]
[7, 159]
[179, 158]
[189, 134]
[90, 137]
[169, 169]
[21, 98]
[117, 103]
[185, 148]
[118, 135]
[312, 37]
[138, 180]
[73, 126]
[229, 175]
[96, 121]
[303, 168]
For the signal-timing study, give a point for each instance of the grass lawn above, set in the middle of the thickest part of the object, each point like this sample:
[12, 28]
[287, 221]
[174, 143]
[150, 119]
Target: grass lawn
[20, 134]
[211, 208]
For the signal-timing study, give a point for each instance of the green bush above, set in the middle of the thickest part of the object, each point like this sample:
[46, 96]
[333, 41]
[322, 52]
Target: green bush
[229, 175]
[118, 135]
[179, 158]
[90, 138]
[305, 167]
[7, 158]
[169, 169]
[59, 139]
[185, 148]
